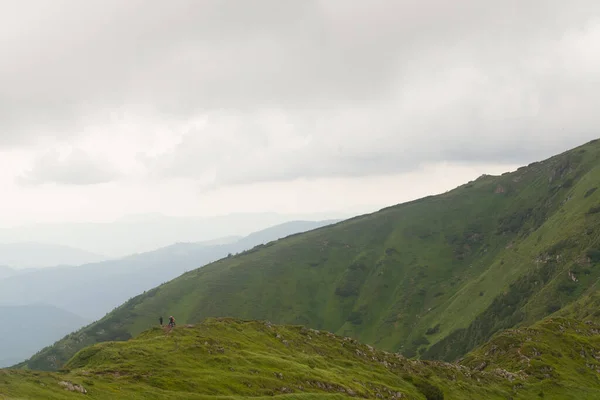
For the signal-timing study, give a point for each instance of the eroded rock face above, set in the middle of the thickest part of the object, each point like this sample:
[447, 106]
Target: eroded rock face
[72, 387]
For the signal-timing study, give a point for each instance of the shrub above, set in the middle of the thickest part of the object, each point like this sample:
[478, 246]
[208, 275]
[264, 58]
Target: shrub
[559, 246]
[355, 318]
[594, 255]
[590, 192]
[346, 290]
[552, 308]
[431, 392]
[389, 251]
[593, 210]
[568, 183]
[514, 222]
[352, 280]
[434, 330]
[420, 340]
[410, 352]
[567, 287]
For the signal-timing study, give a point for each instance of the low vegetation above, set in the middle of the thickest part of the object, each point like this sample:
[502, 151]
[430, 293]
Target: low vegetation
[229, 359]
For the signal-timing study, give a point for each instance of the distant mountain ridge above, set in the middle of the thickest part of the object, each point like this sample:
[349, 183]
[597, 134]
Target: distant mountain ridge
[144, 233]
[34, 255]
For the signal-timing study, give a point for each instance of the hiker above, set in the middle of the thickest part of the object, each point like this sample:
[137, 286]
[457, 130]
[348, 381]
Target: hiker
[171, 321]
[160, 320]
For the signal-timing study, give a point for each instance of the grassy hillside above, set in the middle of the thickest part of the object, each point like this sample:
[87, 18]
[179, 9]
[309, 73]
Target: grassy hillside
[432, 278]
[562, 354]
[229, 359]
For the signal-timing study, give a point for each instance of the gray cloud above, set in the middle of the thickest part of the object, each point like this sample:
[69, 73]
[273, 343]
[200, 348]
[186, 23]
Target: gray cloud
[309, 88]
[77, 168]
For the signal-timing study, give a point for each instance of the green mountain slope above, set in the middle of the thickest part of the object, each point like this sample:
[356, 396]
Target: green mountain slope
[229, 359]
[561, 353]
[432, 278]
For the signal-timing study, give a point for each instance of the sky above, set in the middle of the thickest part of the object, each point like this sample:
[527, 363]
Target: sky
[202, 107]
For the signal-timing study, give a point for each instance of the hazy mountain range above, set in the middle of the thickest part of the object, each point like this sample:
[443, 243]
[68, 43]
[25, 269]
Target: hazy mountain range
[138, 233]
[32, 255]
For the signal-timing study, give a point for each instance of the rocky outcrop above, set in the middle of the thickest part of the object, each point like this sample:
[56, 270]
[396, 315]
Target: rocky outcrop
[73, 387]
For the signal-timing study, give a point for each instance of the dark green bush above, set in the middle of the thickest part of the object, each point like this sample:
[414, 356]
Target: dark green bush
[559, 246]
[590, 192]
[513, 222]
[434, 330]
[355, 318]
[568, 183]
[567, 287]
[594, 255]
[552, 308]
[593, 210]
[420, 341]
[431, 392]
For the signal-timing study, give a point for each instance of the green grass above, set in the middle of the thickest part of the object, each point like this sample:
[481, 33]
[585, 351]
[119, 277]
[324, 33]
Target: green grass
[230, 359]
[561, 354]
[432, 279]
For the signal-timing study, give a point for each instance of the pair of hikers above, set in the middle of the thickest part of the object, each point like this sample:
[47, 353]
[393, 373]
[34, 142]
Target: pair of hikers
[171, 321]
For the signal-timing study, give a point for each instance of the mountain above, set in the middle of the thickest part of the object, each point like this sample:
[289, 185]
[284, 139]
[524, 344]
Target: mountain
[432, 278]
[225, 358]
[94, 289]
[27, 329]
[32, 255]
[143, 233]
[278, 232]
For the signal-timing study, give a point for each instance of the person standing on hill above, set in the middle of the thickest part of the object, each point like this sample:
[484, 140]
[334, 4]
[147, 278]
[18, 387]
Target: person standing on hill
[160, 320]
[171, 321]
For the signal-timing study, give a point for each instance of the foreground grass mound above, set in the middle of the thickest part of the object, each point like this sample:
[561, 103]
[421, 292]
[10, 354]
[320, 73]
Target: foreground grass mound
[562, 354]
[228, 359]
[431, 279]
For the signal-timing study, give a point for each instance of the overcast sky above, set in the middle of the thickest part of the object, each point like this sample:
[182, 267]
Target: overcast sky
[203, 107]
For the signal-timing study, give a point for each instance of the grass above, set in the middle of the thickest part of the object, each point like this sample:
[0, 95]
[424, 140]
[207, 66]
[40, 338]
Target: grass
[230, 359]
[432, 278]
[561, 354]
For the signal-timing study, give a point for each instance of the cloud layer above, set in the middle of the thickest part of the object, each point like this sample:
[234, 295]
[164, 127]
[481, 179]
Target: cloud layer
[229, 92]
[75, 168]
